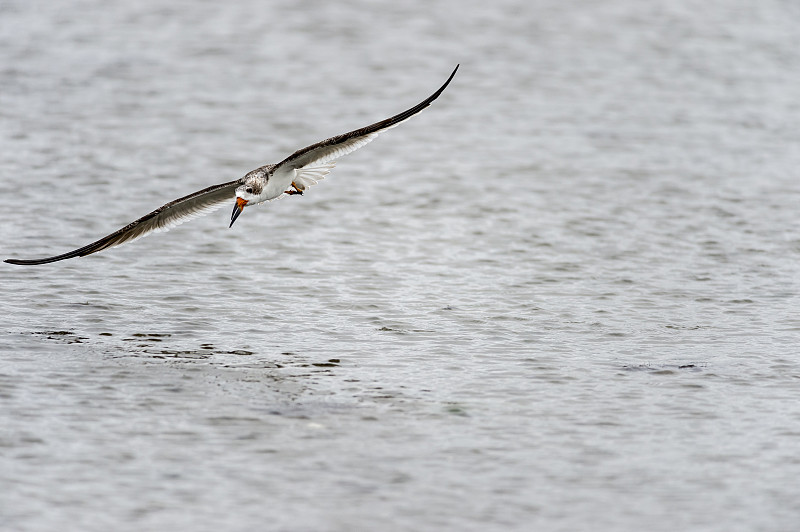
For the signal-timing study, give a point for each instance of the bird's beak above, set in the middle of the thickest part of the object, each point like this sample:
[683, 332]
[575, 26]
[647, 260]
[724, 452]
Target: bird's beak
[237, 209]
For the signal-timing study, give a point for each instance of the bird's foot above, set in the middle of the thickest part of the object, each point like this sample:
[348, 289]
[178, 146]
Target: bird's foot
[294, 190]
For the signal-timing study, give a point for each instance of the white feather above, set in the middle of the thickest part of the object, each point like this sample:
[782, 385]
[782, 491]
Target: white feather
[310, 175]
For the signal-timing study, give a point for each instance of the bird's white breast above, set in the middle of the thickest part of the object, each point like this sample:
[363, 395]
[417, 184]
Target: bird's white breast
[278, 183]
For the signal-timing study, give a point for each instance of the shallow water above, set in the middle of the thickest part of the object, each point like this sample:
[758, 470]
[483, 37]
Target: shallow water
[564, 297]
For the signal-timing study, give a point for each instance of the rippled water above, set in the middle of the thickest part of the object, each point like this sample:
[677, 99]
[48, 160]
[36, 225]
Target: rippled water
[562, 298]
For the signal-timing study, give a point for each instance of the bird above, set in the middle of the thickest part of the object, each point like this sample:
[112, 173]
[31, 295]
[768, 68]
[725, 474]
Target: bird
[292, 176]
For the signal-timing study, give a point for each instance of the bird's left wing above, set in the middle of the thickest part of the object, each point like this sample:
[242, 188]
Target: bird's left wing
[162, 219]
[316, 160]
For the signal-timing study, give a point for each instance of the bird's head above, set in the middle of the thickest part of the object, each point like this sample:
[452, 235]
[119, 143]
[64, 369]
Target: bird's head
[246, 194]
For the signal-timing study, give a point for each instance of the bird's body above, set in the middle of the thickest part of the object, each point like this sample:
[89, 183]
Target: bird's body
[293, 175]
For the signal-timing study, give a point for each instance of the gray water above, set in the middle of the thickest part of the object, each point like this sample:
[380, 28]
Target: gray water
[564, 297]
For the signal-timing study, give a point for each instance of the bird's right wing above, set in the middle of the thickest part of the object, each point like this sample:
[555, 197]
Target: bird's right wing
[162, 219]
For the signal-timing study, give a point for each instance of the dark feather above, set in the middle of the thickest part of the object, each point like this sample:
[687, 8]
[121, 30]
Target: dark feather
[163, 218]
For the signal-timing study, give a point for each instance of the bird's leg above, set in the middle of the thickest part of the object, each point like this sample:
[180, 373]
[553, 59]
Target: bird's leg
[295, 191]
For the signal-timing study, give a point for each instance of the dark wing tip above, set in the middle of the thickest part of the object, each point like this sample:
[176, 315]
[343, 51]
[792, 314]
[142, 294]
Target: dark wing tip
[34, 262]
[436, 94]
[23, 262]
[452, 75]
[80, 252]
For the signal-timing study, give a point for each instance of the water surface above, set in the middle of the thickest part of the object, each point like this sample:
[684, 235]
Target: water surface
[564, 297]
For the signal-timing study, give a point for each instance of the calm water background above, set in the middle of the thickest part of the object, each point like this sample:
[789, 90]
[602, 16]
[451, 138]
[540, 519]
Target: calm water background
[565, 297]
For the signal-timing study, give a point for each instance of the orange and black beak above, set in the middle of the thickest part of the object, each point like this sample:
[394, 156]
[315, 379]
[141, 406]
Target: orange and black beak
[237, 209]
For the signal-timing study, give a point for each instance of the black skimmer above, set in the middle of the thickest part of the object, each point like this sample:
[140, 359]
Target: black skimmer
[293, 175]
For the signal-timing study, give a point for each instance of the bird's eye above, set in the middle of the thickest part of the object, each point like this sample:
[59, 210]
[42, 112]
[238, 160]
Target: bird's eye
[249, 190]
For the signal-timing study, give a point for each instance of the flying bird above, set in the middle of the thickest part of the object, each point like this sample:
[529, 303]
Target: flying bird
[291, 176]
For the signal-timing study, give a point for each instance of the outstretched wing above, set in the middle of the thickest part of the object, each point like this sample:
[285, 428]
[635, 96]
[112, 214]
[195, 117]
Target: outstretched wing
[309, 165]
[317, 155]
[162, 219]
